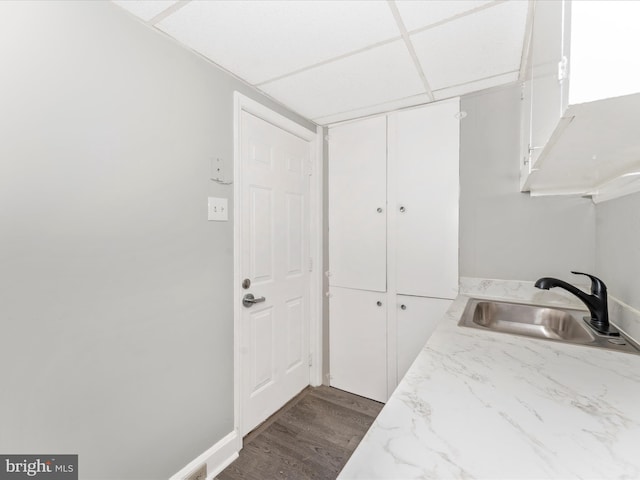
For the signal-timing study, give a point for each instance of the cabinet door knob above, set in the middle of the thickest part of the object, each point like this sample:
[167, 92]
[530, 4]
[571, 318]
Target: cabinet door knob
[402, 209]
[379, 303]
[403, 307]
[379, 210]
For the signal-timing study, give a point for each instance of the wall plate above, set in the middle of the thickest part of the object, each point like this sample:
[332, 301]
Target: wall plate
[218, 209]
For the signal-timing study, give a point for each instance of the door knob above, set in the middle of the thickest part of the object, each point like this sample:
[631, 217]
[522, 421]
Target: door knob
[249, 300]
[403, 307]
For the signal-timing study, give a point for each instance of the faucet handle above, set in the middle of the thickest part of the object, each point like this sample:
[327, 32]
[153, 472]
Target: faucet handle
[598, 288]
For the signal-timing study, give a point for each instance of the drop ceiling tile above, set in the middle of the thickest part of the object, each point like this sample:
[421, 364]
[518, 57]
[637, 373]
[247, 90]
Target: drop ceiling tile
[484, 44]
[476, 86]
[412, 101]
[145, 9]
[371, 77]
[260, 40]
[421, 14]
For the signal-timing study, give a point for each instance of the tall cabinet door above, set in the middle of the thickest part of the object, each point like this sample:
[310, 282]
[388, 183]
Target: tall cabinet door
[357, 205]
[550, 43]
[358, 339]
[417, 319]
[425, 156]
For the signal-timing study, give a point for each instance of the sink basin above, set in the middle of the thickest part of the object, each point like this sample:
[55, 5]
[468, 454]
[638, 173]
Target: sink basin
[547, 323]
[540, 322]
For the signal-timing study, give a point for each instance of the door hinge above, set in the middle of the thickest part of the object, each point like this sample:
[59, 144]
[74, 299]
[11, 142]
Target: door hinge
[563, 65]
[310, 360]
[311, 264]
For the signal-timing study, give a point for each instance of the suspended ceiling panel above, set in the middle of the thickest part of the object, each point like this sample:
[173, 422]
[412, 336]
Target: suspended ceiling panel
[262, 40]
[336, 60]
[421, 14]
[485, 44]
[146, 10]
[345, 84]
[475, 86]
[389, 106]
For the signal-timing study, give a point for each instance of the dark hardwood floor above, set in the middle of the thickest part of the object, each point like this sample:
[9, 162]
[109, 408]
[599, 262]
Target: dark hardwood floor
[311, 437]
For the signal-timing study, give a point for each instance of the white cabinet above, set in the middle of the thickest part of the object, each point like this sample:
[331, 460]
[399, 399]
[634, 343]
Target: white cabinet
[358, 205]
[581, 100]
[358, 340]
[393, 230]
[417, 319]
[423, 154]
[549, 50]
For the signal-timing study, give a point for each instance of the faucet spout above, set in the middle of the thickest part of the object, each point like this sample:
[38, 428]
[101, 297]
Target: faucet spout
[596, 302]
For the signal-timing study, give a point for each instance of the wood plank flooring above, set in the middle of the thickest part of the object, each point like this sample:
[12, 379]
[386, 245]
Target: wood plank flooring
[311, 437]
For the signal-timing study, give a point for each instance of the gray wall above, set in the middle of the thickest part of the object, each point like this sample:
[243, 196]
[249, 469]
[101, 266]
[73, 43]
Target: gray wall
[115, 292]
[503, 233]
[618, 247]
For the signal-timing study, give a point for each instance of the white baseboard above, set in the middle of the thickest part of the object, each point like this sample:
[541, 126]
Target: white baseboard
[217, 458]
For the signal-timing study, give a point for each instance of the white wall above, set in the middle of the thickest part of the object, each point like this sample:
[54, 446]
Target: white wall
[504, 233]
[115, 292]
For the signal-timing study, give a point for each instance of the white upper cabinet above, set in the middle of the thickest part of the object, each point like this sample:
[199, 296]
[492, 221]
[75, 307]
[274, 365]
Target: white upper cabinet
[358, 205]
[549, 50]
[423, 172]
[581, 100]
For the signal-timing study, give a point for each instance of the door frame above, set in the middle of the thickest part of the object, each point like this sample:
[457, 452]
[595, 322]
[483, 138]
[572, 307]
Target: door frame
[241, 104]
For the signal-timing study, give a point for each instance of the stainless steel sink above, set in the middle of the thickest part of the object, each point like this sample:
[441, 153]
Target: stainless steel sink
[546, 323]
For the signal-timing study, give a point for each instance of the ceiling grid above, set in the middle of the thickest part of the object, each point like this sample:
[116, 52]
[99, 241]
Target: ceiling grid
[332, 61]
[409, 45]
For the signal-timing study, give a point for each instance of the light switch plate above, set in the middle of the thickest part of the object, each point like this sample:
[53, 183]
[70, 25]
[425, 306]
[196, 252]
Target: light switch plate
[218, 209]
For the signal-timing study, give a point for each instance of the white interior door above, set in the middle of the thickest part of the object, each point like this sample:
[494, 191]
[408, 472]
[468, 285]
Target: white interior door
[426, 142]
[358, 339]
[275, 260]
[358, 204]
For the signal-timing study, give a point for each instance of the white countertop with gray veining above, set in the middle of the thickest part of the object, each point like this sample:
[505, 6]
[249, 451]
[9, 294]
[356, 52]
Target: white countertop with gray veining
[479, 404]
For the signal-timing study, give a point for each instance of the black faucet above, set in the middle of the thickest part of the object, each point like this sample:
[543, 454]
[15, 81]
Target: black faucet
[596, 302]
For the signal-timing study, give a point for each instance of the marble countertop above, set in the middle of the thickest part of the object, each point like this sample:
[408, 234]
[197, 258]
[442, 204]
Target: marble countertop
[487, 405]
